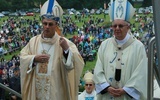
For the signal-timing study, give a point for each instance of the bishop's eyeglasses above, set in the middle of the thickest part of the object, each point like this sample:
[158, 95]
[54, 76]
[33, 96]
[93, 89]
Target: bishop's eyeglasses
[88, 84]
[120, 25]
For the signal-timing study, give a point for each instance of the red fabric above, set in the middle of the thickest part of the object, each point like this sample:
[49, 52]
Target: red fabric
[1, 72]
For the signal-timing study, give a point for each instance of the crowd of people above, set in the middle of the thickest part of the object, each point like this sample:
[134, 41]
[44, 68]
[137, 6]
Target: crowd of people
[15, 33]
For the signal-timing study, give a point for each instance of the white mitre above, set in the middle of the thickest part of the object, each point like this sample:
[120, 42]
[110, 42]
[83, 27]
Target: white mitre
[121, 9]
[88, 77]
[51, 7]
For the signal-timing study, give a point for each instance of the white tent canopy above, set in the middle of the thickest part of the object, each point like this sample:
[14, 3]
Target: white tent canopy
[1, 15]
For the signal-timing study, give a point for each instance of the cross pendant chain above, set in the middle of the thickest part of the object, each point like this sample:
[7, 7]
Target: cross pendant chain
[45, 51]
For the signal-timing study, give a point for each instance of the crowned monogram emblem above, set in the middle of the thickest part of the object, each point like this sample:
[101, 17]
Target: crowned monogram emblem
[120, 1]
[120, 9]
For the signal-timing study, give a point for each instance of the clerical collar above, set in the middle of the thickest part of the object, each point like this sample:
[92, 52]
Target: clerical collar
[45, 37]
[50, 40]
[121, 42]
[89, 95]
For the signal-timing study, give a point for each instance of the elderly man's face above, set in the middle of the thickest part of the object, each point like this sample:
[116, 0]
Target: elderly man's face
[49, 27]
[89, 87]
[120, 28]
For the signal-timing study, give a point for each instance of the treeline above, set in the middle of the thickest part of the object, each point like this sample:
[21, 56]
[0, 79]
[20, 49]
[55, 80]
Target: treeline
[77, 4]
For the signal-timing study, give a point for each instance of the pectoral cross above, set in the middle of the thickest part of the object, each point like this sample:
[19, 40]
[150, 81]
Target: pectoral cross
[44, 52]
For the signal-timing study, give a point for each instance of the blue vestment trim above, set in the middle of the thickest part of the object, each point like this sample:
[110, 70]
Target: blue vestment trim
[89, 98]
[50, 6]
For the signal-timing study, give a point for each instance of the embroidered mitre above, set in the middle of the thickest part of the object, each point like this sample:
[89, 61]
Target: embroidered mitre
[121, 9]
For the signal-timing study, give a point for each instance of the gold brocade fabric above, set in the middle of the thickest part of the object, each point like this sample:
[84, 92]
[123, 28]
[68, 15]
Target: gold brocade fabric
[43, 87]
[59, 83]
[43, 81]
[43, 68]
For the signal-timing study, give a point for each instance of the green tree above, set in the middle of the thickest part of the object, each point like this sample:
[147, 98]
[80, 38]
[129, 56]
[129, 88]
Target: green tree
[4, 5]
[77, 4]
[18, 4]
[147, 3]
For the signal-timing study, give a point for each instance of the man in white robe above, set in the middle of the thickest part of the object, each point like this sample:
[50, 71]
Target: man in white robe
[50, 65]
[121, 68]
[89, 93]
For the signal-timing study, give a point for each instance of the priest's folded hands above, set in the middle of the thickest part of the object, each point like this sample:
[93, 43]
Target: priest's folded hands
[115, 92]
